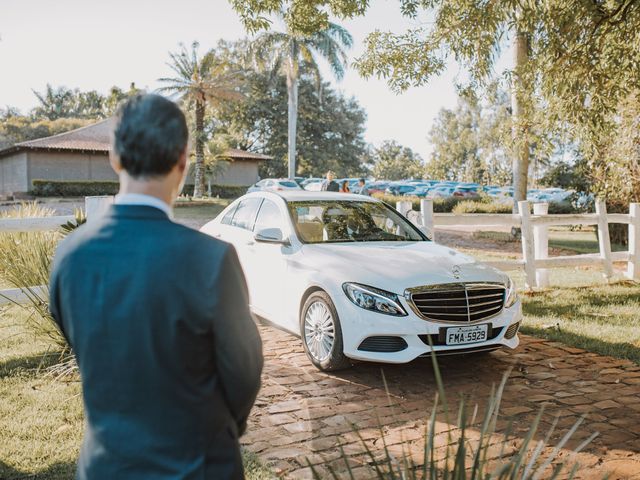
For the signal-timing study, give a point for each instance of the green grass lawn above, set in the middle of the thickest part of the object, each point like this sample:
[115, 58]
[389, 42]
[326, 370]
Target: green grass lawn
[603, 318]
[200, 210]
[41, 419]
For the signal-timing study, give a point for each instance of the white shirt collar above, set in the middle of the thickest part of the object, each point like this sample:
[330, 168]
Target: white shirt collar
[144, 200]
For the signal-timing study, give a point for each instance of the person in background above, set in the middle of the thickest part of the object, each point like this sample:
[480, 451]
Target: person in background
[362, 189]
[330, 185]
[158, 318]
[344, 187]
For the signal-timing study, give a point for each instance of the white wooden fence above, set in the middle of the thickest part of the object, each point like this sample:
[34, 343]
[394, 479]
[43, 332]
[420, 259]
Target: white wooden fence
[93, 207]
[535, 241]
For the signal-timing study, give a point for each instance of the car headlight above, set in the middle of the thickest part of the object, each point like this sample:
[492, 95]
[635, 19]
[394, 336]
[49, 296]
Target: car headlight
[511, 294]
[374, 299]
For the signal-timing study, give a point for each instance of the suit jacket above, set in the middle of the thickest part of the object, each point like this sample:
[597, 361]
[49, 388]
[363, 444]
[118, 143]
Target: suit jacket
[170, 358]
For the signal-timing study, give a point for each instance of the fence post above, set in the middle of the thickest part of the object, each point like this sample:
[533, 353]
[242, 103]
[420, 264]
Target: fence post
[541, 244]
[528, 253]
[96, 206]
[633, 265]
[426, 210]
[604, 241]
[404, 207]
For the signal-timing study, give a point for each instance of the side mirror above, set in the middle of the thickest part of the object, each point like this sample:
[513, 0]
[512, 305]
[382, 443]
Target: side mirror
[270, 235]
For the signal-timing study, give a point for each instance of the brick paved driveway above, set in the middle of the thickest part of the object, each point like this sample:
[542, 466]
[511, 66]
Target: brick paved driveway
[302, 414]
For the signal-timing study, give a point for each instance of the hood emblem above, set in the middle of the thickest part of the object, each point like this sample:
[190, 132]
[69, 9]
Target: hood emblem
[456, 271]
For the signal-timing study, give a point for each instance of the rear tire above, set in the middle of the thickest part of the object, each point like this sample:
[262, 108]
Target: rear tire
[321, 333]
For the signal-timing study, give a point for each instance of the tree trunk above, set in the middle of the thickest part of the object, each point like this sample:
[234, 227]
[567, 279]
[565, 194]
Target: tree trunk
[292, 91]
[520, 125]
[198, 175]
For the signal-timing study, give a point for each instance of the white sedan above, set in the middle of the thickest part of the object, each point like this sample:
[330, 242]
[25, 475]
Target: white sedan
[356, 280]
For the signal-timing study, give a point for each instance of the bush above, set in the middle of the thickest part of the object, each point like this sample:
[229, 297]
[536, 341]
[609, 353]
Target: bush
[25, 261]
[88, 188]
[471, 206]
[73, 188]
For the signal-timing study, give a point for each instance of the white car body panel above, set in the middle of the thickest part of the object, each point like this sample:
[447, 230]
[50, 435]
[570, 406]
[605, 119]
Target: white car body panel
[279, 276]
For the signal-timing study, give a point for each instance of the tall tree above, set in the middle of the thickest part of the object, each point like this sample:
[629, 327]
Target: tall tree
[575, 59]
[201, 81]
[286, 51]
[330, 128]
[392, 161]
[54, 103]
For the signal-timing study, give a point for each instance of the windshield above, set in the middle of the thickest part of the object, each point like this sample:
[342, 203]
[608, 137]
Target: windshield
[331, 221]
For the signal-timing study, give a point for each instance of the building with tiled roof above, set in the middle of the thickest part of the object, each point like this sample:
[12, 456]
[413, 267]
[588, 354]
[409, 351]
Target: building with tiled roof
[83, 154]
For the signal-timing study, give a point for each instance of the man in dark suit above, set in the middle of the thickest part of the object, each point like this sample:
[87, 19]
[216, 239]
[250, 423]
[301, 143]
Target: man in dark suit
[330, 185]
[157, 315]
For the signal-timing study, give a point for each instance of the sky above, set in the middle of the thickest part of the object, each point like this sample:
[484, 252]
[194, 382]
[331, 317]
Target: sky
[93, 45]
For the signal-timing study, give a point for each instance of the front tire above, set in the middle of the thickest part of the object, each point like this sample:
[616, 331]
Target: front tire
[321, 333]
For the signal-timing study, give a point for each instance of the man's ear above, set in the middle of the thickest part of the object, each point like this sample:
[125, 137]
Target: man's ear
[114, 161]
[183, 161]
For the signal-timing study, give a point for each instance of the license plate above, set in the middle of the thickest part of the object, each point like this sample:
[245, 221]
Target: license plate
[466, 334]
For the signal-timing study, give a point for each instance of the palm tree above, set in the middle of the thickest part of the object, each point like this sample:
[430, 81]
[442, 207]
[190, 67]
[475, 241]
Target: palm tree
[201, 81]
[285, 52]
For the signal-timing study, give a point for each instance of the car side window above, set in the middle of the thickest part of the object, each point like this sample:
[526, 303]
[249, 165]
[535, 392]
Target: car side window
[268, 217]
[245, 214]
[228, 217]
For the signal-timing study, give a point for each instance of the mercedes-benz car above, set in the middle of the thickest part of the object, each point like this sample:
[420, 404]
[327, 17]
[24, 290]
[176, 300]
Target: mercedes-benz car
[355, 280]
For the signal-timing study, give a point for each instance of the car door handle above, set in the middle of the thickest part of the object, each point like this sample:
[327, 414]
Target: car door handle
[250, 242]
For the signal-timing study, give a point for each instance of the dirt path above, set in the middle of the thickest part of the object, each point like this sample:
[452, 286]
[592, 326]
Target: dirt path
[303, 414]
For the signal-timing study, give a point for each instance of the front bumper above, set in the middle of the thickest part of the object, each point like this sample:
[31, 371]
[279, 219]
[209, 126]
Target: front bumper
[359, 324]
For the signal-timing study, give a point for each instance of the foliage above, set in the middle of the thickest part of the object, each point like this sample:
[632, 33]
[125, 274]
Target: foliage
[330, 127]
[616, 174]
[62, 102]
[392, 161]
[20, 128]
[470, 206]
[25, 260]
[578, 59]
[286, 52]
[74, 188]
[571, 176]
[303, 17]
[60, 109]
[202, 81]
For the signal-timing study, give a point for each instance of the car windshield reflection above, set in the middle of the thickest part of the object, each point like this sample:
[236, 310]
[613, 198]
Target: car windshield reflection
[335, 221]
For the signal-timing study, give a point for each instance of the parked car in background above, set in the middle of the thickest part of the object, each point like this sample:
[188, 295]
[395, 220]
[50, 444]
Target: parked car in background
[469, 192]
[309, 181]
[420, 191]
[307, 258]
[399, 189]
[275, 184]
[377, 187]
[441, 191]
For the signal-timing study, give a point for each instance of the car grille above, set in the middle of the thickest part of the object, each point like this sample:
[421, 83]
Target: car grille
[383, 343]
[457, 302]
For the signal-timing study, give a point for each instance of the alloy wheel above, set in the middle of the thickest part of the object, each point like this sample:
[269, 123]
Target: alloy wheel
[319, 330]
